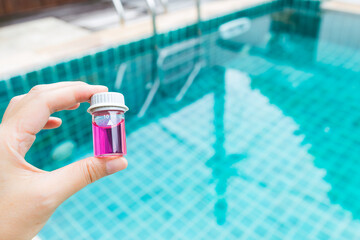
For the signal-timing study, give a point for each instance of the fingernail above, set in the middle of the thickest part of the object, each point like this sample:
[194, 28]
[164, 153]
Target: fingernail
[115, 165]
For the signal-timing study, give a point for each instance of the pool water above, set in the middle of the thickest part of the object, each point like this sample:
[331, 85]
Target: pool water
[262, 144]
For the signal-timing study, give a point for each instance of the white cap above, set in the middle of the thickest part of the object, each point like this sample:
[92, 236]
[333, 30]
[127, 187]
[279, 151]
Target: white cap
[107, 100]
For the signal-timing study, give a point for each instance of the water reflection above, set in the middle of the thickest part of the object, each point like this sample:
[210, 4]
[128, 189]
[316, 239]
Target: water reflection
[170, 71]
[321, 95]
[308, 68]
[334, 139]
[221, 163]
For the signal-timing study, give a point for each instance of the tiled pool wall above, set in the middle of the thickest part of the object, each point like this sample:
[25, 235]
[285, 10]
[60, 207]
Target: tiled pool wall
[139, 57]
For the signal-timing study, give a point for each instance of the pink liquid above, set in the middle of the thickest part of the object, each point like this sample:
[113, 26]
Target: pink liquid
[109, 140]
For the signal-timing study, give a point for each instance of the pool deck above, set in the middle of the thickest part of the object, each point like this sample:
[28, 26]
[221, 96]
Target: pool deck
[339, 6]
[32, 45]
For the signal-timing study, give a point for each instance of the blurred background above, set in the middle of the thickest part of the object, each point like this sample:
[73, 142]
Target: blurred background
[244, 114]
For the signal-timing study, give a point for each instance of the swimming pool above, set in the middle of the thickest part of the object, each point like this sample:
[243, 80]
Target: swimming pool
[252, 136]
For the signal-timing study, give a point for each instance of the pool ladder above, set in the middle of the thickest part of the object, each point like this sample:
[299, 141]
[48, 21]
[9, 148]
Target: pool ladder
[153, 8]
[161, 54]
[188, 51]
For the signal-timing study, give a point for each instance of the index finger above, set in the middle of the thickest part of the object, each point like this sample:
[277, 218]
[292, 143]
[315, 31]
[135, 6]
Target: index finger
[63, 97]
[32, 112]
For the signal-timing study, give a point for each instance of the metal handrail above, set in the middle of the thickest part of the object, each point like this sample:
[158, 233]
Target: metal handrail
[158, 58]
[198, 11]
[120, 10]
[164, 4]
[151, 4]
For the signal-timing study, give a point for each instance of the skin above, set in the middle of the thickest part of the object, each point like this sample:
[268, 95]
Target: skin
[28, 195]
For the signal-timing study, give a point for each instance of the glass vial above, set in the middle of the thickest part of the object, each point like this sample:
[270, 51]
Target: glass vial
[108, 123]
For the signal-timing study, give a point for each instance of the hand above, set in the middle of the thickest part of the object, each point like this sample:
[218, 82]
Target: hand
[28, 195]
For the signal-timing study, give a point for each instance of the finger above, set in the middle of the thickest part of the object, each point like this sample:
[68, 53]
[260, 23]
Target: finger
[35, 91]
[52, 123]
[59, 85]
[17, 99]
[65, 97]
[30, 115]
[70, 179]
[41, 102]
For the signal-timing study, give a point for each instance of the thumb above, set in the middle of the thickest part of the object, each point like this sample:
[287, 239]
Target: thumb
[70, 179]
